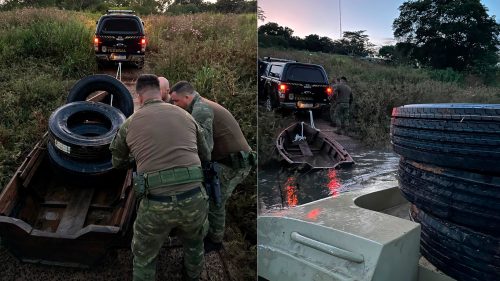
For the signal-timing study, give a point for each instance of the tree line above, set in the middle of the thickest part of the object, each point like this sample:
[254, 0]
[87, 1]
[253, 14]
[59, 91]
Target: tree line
[439, 34]
[140, 6]
[354, 43]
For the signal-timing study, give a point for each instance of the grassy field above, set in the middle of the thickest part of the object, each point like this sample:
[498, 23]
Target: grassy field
[43, 52]
[377, 89]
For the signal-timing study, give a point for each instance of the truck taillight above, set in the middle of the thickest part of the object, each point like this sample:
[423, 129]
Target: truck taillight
[282, 88]
[143, 44]
[96, 43]
[329, 91]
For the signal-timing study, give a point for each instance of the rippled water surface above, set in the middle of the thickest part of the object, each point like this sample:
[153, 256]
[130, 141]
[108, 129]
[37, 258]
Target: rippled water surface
[282, 186]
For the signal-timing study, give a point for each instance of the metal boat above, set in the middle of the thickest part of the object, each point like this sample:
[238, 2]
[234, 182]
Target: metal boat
[358, 235]
[301, 143]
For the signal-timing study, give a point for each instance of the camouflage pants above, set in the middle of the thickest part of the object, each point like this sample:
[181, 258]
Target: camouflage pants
[154, 222]
[229, 179]
[339, 112]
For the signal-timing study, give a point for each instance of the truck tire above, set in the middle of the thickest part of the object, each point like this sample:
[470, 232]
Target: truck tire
[83, 130]
[122, 99]
[71, 167]
[462, 136]
[458, 251]
[464, 198]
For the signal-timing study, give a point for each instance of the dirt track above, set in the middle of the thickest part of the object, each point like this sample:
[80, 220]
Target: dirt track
[117, 265]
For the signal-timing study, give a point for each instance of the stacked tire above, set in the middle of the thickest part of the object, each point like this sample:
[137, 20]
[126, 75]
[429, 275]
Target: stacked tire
[81, 131]
[450, 171]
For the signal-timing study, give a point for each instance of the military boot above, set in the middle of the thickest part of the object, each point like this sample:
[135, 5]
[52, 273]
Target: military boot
[211, 246]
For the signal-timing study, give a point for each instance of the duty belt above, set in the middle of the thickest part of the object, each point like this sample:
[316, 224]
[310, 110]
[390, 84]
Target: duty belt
[239, 159]
[170, 198]
[174, 176]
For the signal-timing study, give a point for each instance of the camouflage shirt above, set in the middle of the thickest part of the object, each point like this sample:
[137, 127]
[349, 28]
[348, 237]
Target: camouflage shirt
[204, 115]
[220, 129]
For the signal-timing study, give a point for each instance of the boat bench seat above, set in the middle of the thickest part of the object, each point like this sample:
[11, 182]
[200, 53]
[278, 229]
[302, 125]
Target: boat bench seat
[305, 149]
[76, 211]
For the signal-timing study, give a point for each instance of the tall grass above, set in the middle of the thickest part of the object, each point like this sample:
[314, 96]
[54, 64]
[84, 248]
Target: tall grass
[378, 88]
[216, 52]
[42, 52]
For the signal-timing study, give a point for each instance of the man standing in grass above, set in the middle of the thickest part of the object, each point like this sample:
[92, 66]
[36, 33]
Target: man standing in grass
[230, 152]
[167, 144]
[341, 101]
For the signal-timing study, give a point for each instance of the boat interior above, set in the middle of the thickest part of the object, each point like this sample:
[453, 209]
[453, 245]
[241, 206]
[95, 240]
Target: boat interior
[316, 149]
[40, 207]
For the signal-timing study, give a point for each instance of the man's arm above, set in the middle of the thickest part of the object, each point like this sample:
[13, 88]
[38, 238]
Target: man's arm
[204, 116]
[119, 148]
[204, 152]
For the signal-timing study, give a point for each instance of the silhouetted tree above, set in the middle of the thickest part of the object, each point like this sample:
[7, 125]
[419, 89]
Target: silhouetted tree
[260, 14]
[448, 33]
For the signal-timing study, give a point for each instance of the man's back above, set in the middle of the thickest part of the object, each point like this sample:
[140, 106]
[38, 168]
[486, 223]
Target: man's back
[162, 136]
[342, 93]
[227, 135]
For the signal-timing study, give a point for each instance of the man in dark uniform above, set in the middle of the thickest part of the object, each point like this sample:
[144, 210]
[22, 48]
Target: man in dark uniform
[341, 101]
[230, 151]
[167, 145]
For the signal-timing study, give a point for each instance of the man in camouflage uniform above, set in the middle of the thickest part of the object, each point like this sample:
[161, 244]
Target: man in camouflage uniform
[167, 145]
[341, 101]
[229, 149]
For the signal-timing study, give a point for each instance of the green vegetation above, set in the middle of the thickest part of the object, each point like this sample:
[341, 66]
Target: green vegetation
[377, 89]
[458, 38]
[143, 7]
[43, 52]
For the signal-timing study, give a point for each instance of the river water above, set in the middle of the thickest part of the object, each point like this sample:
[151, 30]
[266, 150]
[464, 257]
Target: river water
[282, 186]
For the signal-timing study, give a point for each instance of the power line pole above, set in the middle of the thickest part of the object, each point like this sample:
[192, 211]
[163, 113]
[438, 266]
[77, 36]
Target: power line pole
[340, 18]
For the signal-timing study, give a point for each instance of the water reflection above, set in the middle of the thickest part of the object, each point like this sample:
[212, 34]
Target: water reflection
[333, 183]
[282, 186]
[313, 214]
[291, 192]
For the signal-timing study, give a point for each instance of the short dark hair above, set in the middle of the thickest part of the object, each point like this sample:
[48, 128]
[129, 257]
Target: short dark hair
[343, 78]
[182, 87]
[146, 81]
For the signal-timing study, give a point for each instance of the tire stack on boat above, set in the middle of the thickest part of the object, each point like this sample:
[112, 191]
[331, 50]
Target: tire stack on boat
[81, 131]
[450, 171]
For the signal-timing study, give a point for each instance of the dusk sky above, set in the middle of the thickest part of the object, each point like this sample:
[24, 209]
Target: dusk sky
[322, 16]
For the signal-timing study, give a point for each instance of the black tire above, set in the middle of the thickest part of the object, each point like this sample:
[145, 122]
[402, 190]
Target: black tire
[464, 198]
[74, 136]
[462, 136]
[122, 99]
[72, 167]
[458, 251]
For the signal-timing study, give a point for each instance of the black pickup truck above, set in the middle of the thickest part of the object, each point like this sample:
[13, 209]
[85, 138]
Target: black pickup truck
[120, 37]
[291, 84]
